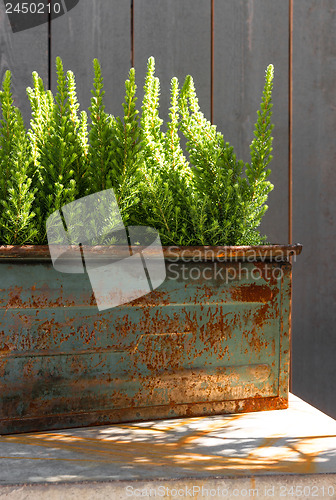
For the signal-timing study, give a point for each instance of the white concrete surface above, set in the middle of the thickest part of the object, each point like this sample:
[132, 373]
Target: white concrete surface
[294, 447]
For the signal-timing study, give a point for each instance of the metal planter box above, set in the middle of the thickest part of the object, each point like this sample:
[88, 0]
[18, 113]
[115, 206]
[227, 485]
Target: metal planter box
[213, 338]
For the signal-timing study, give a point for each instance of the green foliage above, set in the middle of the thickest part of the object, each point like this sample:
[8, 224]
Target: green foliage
[216, 171]
[59, 143]
[205, 196]
[257, 188]
[100, 136]
[166, 190]
[208, 201]
[114, 151]
[16, 191]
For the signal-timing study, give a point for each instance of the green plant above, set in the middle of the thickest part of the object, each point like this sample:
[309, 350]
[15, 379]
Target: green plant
[208, 200]
[205, 196]
[16, 174]
[166, 193]
[59, 140]
[115, 146]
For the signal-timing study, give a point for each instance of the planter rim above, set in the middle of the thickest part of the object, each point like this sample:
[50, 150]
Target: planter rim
[206, 253]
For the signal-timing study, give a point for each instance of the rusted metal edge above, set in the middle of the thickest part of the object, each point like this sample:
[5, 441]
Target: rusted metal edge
[285, 330]
[106, 417]
[201, 253]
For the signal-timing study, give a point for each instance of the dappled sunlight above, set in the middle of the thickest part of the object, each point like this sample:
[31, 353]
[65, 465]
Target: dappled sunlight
[198, 445]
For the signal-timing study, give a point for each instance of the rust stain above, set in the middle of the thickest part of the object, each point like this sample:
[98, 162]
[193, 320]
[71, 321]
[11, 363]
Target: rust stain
[39, 252]
[252, 293]
[178, 351]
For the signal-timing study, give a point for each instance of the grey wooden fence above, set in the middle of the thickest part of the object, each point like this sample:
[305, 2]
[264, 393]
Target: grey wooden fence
[226, 45]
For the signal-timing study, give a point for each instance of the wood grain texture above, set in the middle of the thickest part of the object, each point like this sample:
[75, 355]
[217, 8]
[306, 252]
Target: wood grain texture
[249, 35]
[177, 34]
[314, 202]
[22, 53]
[95, 29]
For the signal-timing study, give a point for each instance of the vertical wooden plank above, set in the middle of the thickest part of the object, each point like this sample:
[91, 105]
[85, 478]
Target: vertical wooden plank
[249, 35]
[177, 34]
[22, 53]
[95, 29]
[314, 202]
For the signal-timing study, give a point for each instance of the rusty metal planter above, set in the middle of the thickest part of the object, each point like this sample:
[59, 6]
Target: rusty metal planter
[213, 338]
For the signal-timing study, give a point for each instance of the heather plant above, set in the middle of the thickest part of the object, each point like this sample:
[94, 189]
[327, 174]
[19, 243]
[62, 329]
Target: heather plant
[213, 198]
[233, 204]
[166, 193]
[201, 196]
[59, 141]
[115, 146]
[17, 194]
